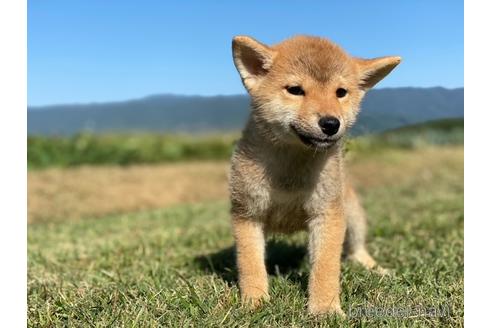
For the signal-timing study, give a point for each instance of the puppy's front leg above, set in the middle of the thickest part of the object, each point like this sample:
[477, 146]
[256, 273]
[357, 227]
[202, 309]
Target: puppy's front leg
[326, 234]
[250, 249]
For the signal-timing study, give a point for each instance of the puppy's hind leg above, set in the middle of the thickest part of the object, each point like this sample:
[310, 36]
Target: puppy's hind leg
[354, 247]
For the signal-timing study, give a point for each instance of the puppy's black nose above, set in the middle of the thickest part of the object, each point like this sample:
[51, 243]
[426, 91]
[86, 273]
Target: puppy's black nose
[329, 125]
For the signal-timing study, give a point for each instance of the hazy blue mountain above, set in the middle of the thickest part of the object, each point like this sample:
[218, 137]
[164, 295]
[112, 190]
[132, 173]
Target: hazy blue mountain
[382, 109]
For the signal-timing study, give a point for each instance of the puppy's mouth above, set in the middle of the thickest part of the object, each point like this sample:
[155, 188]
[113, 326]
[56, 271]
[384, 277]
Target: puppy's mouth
[313, 141]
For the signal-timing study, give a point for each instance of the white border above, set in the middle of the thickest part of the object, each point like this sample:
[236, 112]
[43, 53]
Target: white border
[13, 215]
[478, 163]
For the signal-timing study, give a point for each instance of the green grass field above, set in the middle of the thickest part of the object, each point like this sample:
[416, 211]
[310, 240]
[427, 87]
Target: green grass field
[127, 149]
[175, 266]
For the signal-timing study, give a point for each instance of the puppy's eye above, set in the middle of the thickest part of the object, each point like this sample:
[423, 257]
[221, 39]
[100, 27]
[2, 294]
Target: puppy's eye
[295, 90]
[341, 92]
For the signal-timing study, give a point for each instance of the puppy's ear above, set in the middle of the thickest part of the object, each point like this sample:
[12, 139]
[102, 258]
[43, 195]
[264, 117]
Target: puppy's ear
[374, 70]
[252, 59]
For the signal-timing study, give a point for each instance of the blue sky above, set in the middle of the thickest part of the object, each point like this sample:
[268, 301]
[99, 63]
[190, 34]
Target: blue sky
[94, 50]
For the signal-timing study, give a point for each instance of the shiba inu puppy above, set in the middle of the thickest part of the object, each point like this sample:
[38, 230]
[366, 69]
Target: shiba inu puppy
[287, 171]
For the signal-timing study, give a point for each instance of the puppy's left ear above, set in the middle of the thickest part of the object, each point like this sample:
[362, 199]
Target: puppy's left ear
[374, 70]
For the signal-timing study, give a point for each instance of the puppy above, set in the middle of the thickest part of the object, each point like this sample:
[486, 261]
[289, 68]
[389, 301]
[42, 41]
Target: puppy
[287, 170]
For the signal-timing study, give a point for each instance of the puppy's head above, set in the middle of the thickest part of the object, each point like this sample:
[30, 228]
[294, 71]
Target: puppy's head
[305, 90]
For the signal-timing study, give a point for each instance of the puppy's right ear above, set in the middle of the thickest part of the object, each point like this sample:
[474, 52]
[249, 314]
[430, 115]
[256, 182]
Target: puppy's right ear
[252, 59]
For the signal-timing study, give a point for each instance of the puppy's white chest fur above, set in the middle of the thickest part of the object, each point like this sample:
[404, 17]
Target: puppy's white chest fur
[286, 211]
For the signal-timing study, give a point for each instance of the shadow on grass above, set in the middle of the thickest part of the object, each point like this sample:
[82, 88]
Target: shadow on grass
[281, 259]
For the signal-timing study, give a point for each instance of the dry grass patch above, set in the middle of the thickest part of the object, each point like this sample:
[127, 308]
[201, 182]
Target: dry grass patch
[72, 193]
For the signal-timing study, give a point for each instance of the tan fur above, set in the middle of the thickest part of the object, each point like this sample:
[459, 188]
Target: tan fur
[282, 183]
[250, 260]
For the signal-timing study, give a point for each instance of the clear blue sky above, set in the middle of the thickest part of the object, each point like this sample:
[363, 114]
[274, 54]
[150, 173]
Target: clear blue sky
[98, 50]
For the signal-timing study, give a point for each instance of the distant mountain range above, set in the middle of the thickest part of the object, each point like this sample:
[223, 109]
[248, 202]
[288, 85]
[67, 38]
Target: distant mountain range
[382, 109]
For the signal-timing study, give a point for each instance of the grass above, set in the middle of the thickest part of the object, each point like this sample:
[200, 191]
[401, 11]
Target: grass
[126, 149]
[95, 191]
[438, 132]
[175, 266]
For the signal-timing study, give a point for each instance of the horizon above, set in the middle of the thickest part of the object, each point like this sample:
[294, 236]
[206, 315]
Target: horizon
[96, 52]
[244, 94]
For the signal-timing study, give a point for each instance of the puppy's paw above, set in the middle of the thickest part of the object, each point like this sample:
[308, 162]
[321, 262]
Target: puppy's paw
[383, 271]
[254, 297]
[315, 308]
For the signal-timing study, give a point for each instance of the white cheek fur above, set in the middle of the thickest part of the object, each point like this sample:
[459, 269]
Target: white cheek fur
[277, 112]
